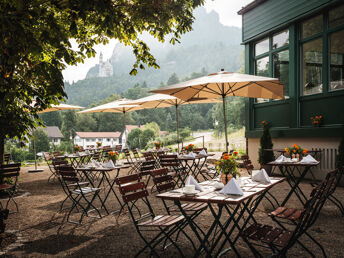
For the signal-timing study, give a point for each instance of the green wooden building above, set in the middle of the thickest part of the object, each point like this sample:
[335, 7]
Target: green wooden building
[301, 42]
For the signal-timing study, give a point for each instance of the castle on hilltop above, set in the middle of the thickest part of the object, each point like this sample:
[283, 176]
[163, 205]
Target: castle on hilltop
[105, 68]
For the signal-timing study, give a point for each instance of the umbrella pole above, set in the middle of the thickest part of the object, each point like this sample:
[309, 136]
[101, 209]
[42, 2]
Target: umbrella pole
[177, 120]
[124, 121]
[225, 120]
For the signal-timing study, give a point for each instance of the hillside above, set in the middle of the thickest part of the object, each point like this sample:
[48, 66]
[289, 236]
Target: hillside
[210, 46]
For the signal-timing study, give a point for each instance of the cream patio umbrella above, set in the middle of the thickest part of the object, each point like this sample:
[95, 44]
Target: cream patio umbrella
[223, 84]
[58, 107]
[163, 100]
[116, 106]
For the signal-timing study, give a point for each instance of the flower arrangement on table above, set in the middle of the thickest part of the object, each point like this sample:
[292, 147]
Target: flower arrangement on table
[190, 147]
[228, 166]
[77, 148]
[99, 144]
[157, 145]
[113, 155]
[295, 152]
[316, 120]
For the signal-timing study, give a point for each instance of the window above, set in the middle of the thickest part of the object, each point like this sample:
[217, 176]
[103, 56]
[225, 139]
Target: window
[108, 139]
[336, 76]
[281, 39]
[312, 26]
[262, 47]
[273, 61]
[281, 69]
[312, 67]
[336, 16]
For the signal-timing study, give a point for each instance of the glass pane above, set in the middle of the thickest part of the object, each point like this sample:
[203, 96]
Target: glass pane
[336, 16]
[262, 47]
[281, 69]
[312, 67]
[280, 39]
[262, 69]
[337, 61]
[311, 26]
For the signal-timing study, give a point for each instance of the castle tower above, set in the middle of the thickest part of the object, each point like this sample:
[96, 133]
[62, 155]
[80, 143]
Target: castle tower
[105, 68]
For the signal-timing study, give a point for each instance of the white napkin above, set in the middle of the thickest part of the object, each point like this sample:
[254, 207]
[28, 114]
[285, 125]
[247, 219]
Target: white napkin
[232, 187]
[191, 181]
[191, 155]
[160, 150]
[87, 152]
[203, 152]
[149, 150]
[280, 159]
[308, 159]
[109, 164]
[261, 176]
[166, 148]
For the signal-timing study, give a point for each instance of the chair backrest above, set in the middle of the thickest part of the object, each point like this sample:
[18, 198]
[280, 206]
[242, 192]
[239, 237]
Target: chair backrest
[148, 155]
[10, 171]
[162, 180]
[133, 191]
[57, 153]
[169, 160]
[58, 162]
[67, 174]
[314, 205]
[7, 158]
[47, 156]
[244, 157]
[97, 156]
[118, 148]
[127, 155]
[135, 153]
[146, 166]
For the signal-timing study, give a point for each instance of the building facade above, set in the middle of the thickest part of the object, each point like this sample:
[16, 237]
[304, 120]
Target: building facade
[301, 42]
[86, 139]
[105, 67]
[54, 134]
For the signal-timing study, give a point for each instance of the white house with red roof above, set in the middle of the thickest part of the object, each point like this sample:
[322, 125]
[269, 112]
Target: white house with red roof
[86, 139]
[124, 135]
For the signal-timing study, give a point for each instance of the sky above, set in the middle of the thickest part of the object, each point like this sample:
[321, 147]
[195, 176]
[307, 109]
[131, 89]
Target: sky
[227, 10]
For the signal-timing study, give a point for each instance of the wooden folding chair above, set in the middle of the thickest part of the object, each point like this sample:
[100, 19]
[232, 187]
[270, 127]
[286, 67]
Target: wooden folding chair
[9, 174]
[7, 158]
[135, 165]
[279, 239]
[175, 169]
[81, 195]
[144, 218]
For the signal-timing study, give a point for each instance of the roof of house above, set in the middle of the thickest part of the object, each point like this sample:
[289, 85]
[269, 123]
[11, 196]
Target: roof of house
[53, 132]
[131, 127]
[250, 6]
[98, 134]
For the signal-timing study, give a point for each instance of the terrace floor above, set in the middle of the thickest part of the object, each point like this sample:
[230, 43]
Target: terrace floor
[45, 234]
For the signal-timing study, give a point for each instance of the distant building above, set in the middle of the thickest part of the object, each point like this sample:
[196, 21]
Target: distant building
[86, 139]
[54, 134]
[105, 67]
[124, 135]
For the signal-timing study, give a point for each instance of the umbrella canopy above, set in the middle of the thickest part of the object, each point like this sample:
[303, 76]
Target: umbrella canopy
[225, 84]
[58, 107]
[163, 100]
[116, 106]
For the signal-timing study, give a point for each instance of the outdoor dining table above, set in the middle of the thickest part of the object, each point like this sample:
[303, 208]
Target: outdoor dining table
[291, 170]
[232, 212]
[99, 177]
[77, 159]
[193, 165]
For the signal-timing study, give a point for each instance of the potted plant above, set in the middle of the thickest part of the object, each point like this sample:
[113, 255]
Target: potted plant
[266, 156]
[316, 120]
[76, 148]
[157, 145]
[228, 167]
[189, 148]
[295, 152]
[113, 155]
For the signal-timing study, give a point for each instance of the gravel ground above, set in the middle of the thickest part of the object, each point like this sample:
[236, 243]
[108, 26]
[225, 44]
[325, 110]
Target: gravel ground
[46, 233]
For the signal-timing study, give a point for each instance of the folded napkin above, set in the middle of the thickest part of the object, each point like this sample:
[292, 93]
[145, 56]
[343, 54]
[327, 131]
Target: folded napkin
[261, 176]
[280, 159]
[191, 155]
[203, 152]
[232, 187]
[308, 159]
[149, 150]
[109, 164]
[191, 181]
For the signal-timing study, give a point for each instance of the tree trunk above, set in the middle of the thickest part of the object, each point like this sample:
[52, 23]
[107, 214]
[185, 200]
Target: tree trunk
[2, 148]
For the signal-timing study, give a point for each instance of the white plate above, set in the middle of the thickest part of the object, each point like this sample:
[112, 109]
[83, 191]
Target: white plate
[191, 193]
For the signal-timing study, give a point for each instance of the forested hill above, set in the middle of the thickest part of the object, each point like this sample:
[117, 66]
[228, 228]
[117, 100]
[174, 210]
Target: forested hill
[209, 47]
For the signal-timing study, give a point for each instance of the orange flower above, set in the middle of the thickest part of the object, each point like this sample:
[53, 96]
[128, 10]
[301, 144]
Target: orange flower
[316, 117]
[235, 153]
[320, 117]
[305, 151]
[295, 146]
[263, 122]
[316, 122]
[294, 151]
